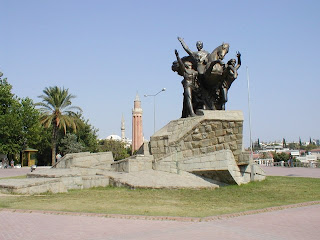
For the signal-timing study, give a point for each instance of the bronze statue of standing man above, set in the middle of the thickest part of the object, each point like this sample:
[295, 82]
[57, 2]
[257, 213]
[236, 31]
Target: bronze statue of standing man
[188, 82]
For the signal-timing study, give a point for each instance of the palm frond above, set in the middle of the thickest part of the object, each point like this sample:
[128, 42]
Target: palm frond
[56, 108]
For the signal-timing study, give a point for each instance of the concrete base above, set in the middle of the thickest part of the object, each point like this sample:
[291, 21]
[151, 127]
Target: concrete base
[133, 164]
[209, 145]
[32, 186]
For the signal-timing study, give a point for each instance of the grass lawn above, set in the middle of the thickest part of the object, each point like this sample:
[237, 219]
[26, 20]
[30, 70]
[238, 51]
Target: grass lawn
[274, 191]
[15, 177]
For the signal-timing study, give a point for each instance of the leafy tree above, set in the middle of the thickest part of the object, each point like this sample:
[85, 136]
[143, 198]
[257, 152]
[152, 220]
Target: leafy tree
[293, 145]
[6, 97]
[310, 147]
[117, 148]
[69, 144]
[57, 111]
[31, 127]
[9, 119]
[19, 121]
[278, 157]
[44, 147]
[264, 155]
[87, 135]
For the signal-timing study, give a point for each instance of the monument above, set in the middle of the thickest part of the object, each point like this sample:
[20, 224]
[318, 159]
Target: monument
[206, 78]
[202, 149]
[207, 140]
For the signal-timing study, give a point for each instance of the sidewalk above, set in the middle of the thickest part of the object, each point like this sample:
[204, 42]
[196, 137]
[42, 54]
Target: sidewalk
[294, 223]
[13, 172]
[292, 171]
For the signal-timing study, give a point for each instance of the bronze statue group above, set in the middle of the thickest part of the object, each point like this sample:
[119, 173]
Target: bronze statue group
[206, 78]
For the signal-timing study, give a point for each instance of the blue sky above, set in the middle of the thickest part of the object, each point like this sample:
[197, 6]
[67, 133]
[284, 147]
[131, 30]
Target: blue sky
[106, 52]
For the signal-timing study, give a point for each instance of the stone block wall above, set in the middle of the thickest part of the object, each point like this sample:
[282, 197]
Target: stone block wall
[205, 134]
[133, 164]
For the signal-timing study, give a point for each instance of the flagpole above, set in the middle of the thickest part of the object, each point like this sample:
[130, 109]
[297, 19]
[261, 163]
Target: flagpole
[248, 83]
[251, 148]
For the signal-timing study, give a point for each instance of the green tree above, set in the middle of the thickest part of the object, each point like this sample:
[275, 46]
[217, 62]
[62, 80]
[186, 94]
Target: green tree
[57, 111]
[117, 148]
[19, 121]
[264, 155]
[31, 126]
[44, 147]
[293, 145]
[87, 135]
[70, 144]
[278, 157]
[310, 147]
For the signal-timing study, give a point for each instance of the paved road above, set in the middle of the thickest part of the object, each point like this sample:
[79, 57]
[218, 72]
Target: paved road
[292, 223]
[13, 172]
[292, 172]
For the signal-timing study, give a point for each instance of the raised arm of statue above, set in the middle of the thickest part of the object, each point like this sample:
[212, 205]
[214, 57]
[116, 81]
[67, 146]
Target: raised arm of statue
[239, 60]
[185, 47]
[181, 65]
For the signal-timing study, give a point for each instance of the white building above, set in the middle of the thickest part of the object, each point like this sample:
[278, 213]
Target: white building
[315, 152]
[123, 138]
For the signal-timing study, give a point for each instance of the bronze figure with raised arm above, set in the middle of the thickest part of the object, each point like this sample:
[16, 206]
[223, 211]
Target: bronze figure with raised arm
[188, 82]
[232, 69]
[231, 73]
[200, 57]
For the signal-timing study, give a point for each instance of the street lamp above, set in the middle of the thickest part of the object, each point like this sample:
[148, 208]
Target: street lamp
[154, 107]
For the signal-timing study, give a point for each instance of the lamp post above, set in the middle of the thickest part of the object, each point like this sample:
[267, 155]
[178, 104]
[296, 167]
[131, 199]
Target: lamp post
[154, 107]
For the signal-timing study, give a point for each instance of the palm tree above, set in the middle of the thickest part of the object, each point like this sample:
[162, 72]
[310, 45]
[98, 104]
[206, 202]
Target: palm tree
[56, 110]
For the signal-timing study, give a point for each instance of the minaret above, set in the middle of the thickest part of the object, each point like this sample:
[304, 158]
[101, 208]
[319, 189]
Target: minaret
[123, 135]
[137, 136]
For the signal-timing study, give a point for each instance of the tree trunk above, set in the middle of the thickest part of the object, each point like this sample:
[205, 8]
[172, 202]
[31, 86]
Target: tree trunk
[54, 143]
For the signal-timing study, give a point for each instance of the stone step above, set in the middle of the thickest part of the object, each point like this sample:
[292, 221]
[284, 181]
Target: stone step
[32, 185]
[52, 182]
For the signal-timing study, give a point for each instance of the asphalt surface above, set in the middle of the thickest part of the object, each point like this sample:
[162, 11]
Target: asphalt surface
[292, 172]
[288, 223]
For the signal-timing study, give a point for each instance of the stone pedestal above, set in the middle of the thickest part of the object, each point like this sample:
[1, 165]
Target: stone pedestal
[209, 145]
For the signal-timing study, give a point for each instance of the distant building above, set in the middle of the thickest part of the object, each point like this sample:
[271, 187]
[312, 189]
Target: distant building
[123, 130]
[123, 138]
[315, 152]
[114, 137]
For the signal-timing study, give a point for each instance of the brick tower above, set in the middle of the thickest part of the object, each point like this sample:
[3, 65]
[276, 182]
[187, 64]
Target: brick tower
[137, 135]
